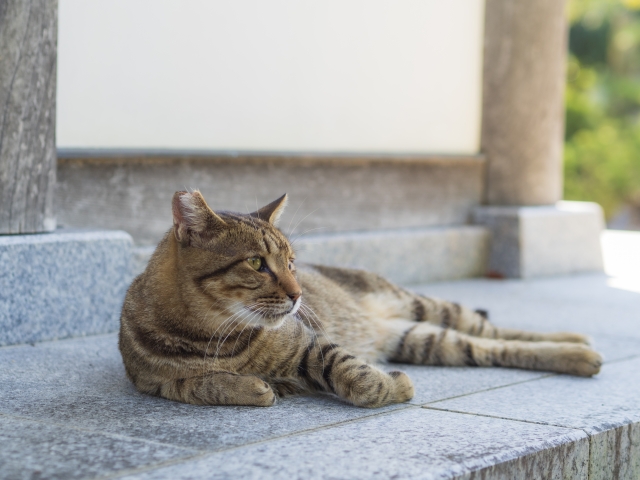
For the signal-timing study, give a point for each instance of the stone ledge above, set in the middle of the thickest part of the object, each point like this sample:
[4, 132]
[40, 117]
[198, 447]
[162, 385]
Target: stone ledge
[408, 256]
[61, 284]
[538, 241]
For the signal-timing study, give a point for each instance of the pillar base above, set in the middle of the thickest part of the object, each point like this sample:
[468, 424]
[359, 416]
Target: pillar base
[543, 240]
[63, 284]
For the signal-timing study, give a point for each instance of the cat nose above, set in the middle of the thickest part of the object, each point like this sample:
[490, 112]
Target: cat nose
[294, 296]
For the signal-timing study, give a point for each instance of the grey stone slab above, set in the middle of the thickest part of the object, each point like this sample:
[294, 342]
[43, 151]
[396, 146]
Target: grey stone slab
[439, 383]
[412, 443]
[401, 255]
[82, 383]
[583, 303]
[328, 193]
[30, 450]
[615, 349]
[75, 379]
[615, 454]
[606, 401]
[67, 283]
[529, 242]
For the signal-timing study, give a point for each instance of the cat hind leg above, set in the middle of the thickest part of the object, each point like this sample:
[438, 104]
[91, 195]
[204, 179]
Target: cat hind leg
[442, 313]
[426, 344]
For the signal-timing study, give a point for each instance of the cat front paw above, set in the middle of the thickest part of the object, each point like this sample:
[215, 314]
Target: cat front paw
[374, 388]
[256, 392]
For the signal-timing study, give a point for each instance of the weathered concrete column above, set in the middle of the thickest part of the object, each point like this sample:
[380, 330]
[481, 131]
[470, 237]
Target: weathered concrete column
[532, 233]
[28, 38]
[523, 108]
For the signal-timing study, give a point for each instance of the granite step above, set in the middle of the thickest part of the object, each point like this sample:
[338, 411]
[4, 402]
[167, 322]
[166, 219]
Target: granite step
[68, 283]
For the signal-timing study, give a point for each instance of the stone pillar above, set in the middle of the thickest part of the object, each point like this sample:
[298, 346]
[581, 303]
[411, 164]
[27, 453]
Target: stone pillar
[532, 233]
[523, 101]
[28, 42]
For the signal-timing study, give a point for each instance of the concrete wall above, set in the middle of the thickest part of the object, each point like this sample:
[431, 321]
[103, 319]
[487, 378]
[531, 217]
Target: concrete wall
[327, 194]
[331, 75]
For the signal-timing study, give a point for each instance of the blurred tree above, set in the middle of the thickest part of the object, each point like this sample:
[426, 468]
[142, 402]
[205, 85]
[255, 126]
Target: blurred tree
[602, 137]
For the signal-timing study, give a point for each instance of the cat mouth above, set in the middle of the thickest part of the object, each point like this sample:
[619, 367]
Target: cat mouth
[270, 315]
[277, 315]
[273, 315]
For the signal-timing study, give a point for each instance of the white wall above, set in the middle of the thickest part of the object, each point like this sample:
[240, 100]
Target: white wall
[284, 75]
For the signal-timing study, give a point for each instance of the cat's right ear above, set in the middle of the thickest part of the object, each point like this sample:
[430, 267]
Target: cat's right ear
[192, 217]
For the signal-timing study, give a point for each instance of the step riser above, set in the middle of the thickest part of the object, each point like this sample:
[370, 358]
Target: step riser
[63, 284]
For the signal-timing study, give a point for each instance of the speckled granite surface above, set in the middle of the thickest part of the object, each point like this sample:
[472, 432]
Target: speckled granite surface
[68, 411]
[62, 284]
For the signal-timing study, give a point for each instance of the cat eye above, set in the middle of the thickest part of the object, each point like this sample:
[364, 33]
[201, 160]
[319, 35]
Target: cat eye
[255, 262]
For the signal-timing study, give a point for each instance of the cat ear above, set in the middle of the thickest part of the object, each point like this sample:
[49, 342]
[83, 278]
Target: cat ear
[271, 213]
[192, 215]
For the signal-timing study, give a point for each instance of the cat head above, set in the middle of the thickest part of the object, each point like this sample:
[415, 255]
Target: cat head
[238, 263]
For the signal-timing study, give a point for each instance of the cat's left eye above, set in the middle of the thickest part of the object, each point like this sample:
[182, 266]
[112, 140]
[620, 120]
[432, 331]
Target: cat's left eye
[255, 262]
[290, 264]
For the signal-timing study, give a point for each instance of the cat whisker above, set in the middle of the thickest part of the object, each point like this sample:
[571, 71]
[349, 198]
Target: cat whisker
[243, 329]
[253, 223]
[240, 312]
[305, 217]
[249, 344]
[315, 339]
[316, 321]
[296, 213]
[304, 233]
[221, 342]
[212, 336]
[314, 332]
[233, 349]
[308, 310]
[229, 321]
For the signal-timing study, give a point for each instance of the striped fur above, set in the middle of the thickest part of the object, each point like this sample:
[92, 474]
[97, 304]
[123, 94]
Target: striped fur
[201, 326]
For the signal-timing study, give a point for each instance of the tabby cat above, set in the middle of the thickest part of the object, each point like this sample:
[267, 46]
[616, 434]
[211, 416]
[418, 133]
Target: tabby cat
[222, 316]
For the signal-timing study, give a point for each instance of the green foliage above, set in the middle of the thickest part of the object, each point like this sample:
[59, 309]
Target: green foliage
[601, 165]
[602, 139]
[590, 44]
